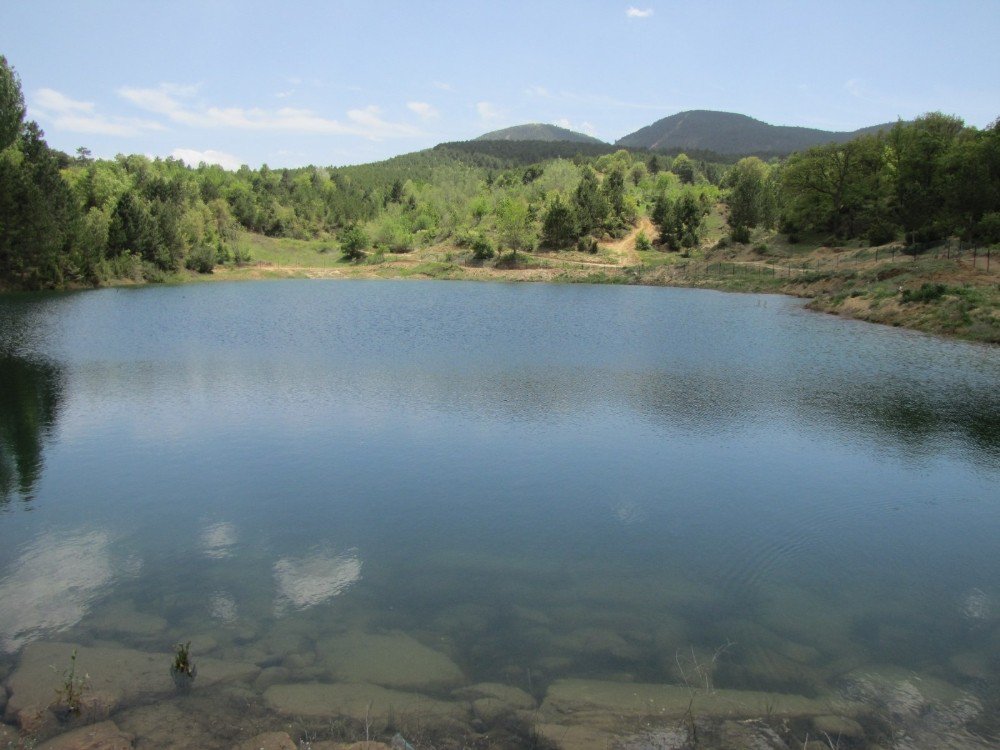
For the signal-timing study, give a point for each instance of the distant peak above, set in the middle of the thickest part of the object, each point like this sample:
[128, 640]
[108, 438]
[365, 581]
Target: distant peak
[538, 131]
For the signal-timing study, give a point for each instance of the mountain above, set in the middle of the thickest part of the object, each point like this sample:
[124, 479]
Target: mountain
[731, 133]
[538, 131]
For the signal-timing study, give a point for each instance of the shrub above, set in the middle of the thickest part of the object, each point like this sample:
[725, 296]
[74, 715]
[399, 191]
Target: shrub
[881, 233]
[926, 293]
[353, 242]
[482, 249]
[201, 259]
[761, 248]
[740, 234]
[241, 256]
[642, 243]
[586, 245]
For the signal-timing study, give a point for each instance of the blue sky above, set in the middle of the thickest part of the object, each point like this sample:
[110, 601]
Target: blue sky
[347, 82]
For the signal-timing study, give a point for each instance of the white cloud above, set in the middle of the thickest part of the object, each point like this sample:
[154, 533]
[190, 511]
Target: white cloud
[423, 109]
[77, 116]
[443, 86]
[537, 91]
[362, 122]
[583, 127]
[193, 158]
[487, 110]
[634, 12]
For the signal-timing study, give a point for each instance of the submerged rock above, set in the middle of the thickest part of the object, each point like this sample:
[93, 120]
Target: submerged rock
[271, 676]
[597, 642]
[358, 701]
[112, 676]
[512, 696]
[604, 704]
[125, 619]
[103, 736]
[394, 660]
[838, 726]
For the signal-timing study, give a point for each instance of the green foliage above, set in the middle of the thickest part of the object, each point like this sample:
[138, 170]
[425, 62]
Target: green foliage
[72, 687]
[482, 249]
[751, 196]
[926, 293]
[515, 226]
[928, 179]
[683, 167]
[642, 243]
[589, 203]
[353, 243]
[182, 663]
[201, 259]
[38, 215]
[182, 669]
[11, 104]
[558, 225]
[680, 220]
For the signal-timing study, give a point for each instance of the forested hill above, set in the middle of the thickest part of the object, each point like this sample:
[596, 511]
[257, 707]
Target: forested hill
[731, 133]
[537, 131]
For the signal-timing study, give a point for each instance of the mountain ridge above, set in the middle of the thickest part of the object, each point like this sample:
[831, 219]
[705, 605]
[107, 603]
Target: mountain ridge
[538, 131]
[732, 133]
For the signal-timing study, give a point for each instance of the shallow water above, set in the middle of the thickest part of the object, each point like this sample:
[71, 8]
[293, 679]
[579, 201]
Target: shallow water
[538, 482]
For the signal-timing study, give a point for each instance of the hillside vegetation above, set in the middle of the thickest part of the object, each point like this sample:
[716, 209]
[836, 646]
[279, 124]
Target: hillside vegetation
[896, 227]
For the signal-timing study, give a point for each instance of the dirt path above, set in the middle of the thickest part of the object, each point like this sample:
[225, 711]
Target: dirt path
[625, 247]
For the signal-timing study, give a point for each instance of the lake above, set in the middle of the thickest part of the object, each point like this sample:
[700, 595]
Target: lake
[476, 503]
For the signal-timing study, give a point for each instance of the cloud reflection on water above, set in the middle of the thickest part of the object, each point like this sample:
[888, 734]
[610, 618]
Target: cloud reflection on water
[52, 585]
[306, 581]
[217, 540]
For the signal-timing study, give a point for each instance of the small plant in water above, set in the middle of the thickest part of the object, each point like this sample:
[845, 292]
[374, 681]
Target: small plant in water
[69, 694]
[183, 669]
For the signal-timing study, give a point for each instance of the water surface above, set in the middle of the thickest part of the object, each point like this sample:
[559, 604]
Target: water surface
[538, 481]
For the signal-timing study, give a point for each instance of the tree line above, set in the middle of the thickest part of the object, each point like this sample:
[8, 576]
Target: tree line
[920, 183]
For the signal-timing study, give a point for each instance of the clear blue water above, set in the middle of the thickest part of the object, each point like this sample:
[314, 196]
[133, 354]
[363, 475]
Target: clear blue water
[566, 480]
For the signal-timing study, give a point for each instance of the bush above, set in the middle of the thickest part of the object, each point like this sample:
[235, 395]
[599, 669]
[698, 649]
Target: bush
[881, 233]
[740, 234]
[482, 249]
[353, 242]
[642, 243]
[587, 245]
[761, 248]
[241, 256]
[201, 259]
[926, 293]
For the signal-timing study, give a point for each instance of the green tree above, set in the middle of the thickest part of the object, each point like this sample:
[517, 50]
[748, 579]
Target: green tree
[353, 243]
[747, 196]
[38, 214]
[11, 104]
[589, 203]
[514, 224]
[558, 226]
[683, 167]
